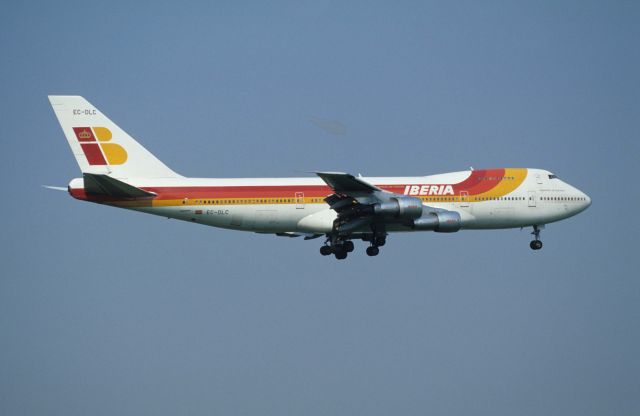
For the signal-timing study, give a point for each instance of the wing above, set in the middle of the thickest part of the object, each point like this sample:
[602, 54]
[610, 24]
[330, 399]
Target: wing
[349, 191]
[347, 184]
[361, 206]
[353, 200]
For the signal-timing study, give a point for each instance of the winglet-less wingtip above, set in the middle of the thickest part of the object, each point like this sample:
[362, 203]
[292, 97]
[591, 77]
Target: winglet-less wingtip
[55, 188]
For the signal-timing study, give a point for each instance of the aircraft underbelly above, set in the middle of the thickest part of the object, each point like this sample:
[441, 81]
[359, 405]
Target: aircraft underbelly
[259, 218]
[274, 218]
[496, 217]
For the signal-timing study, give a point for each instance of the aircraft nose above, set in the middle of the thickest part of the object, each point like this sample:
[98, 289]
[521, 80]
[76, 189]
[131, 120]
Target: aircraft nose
[587, 201]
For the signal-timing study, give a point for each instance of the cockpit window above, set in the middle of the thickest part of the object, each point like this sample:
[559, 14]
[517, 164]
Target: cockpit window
[552, 176]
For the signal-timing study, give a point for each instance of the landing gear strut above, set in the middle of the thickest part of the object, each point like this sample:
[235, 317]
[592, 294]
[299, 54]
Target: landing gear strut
[536, 244]
[377, 240]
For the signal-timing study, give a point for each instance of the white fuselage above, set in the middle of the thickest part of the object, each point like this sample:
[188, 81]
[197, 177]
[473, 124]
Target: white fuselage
[515, 198]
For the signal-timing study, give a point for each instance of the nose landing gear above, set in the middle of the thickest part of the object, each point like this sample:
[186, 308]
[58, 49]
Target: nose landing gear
[536, 244]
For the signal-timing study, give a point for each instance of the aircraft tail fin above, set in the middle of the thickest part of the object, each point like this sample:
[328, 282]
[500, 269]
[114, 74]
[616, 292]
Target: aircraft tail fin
[100, 146]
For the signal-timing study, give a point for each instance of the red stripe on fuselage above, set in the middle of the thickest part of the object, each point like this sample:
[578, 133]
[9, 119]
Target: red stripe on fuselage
[474, 184]
[287, 191]
[478, 182]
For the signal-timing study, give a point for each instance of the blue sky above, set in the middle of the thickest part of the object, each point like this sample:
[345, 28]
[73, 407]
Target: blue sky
[104, 311]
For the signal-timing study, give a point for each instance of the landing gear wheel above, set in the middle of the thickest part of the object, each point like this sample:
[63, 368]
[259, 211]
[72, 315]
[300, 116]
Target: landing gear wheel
[380, 241]
[340, 253]
[325, 250]
[373, 251]
[535, 245]
[348, 245]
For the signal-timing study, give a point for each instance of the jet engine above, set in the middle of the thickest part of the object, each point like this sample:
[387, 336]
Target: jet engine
[440, 222]
[401, 207]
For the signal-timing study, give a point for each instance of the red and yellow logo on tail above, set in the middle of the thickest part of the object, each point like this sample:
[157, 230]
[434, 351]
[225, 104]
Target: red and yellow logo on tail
[94, 143]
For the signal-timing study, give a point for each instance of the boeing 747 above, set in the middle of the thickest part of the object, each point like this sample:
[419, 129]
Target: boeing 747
[339, 207]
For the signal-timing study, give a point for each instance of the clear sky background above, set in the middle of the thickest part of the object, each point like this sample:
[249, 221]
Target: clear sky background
[110, 312]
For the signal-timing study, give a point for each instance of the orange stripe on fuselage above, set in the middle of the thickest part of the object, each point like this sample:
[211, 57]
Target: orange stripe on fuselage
[502, 187]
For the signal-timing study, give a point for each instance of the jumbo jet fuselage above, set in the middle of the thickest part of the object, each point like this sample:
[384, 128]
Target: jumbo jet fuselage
[118, 171]
[484, 199]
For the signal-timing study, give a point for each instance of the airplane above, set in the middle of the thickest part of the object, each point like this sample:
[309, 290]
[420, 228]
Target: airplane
[118, 171]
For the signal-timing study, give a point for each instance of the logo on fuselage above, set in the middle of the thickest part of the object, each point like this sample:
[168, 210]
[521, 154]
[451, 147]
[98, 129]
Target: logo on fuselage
[97, 150]
[422, 190]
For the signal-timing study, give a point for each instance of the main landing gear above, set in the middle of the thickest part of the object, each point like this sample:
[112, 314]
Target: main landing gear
[340, 247]
[536, 244]
[376, 241]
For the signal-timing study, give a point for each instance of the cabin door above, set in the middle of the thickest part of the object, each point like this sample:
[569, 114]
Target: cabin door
[299, 200]
[464, 199]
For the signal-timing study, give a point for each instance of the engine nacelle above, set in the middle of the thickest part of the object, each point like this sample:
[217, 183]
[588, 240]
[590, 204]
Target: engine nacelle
[440, 222]
[403, 207]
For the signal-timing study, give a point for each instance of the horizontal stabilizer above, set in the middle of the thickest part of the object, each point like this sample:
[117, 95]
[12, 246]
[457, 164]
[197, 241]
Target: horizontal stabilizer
[99, 184]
